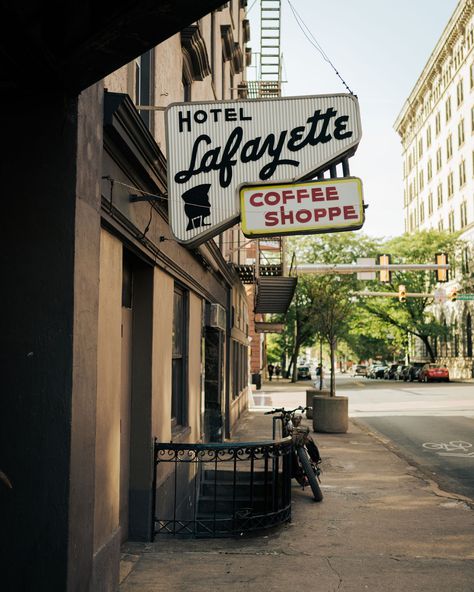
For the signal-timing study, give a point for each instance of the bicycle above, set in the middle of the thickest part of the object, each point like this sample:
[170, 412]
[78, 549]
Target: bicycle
[306, 459]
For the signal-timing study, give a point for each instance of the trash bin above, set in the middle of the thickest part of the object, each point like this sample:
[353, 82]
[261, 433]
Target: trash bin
[257, 380]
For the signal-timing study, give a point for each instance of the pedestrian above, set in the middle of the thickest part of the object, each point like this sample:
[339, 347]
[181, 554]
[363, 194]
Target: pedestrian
[277, 371]
[319, 382]
[270, 369]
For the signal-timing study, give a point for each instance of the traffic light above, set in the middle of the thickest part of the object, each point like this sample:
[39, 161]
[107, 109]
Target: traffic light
[441, 274]
[385, 275]
[402, 293]
[453, 294]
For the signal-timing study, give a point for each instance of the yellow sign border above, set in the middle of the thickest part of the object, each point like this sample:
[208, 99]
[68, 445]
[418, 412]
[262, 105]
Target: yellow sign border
[306, 230]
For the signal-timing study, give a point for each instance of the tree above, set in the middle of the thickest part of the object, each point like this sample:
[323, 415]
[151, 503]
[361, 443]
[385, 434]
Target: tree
[415, 316]
[331, 300]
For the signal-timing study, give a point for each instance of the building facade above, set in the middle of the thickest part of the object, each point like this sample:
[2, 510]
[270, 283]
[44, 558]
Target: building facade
[113, 333]
[436, 127]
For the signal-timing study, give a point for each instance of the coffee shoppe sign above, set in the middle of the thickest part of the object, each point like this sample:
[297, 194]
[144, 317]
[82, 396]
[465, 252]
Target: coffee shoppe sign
[333, 205]
[214, 148]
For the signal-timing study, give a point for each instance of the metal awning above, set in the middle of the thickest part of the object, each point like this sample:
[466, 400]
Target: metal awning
[71, 45]
[274, 294]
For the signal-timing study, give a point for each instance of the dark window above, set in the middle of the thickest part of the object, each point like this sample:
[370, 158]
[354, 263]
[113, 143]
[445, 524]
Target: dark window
[469, 336]
[179, 392]
[144, 85]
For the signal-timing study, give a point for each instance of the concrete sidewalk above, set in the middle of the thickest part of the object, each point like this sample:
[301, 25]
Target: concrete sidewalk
[381, 527]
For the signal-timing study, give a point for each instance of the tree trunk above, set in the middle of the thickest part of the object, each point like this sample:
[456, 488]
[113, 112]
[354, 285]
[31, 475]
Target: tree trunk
[429, 349]
[332, 346]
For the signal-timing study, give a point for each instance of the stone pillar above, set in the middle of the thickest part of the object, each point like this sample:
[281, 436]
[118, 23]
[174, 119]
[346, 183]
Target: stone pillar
[50, 228]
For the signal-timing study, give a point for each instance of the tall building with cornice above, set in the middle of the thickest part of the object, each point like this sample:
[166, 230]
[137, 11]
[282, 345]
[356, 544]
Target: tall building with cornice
[436, 127]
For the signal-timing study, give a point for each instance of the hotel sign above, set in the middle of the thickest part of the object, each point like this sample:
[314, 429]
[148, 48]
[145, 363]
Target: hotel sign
[215, 147]
[332, 205]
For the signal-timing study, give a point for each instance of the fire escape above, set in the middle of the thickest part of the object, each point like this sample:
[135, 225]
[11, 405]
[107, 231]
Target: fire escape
[265, 265]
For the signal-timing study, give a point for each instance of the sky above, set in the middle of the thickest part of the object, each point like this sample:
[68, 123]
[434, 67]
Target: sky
[379, 47]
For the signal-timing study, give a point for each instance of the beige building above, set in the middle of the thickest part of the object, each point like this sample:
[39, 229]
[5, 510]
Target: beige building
[436, 126]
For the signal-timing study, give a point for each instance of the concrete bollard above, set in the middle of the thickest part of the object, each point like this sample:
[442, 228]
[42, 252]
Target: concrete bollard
[310, 393]
[330, 414]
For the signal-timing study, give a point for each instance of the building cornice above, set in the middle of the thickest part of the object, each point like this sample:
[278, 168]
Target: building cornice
[443, 49]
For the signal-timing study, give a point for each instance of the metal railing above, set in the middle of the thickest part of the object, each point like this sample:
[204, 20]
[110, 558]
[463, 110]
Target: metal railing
[218, 490]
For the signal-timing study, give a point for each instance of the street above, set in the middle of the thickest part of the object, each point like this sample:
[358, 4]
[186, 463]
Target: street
[430, 425]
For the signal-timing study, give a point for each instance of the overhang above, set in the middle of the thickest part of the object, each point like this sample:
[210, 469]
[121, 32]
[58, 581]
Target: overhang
[71, 45]
[274, 294]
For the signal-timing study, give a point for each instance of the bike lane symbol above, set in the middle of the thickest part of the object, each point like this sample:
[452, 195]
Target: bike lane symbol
[458, 448]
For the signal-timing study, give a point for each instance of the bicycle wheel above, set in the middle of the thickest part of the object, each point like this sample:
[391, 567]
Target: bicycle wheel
[309, 472]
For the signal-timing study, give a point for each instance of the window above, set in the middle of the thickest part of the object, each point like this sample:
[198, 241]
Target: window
[422, 212]
[449, 147]
[472, 120]
[440, 195]
[439, 161]
[430, 204]
[440, 225]
[420, 148]
[448, 108]
[429, 172]
[451, 221]
[421, 181]
[428, 136]
[240, 368]
[460, 93]
[463, 215]
[461, 133]
[450, 185]
[179, 341]
[144, 85]
[438, 123]
[471, 76]
[462, 173]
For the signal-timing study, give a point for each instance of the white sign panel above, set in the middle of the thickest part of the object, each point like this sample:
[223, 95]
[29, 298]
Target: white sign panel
[302, 208]
[213, 148]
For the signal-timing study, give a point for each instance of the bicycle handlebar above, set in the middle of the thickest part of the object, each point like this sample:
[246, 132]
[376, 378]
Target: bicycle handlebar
[285, 411]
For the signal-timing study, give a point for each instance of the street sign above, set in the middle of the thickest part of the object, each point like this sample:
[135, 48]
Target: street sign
[214, 147]
[302, 208]
[366, 275]
[465, 296]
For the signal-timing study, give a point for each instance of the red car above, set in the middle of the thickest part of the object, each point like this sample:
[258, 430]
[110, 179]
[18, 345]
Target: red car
[433, 372]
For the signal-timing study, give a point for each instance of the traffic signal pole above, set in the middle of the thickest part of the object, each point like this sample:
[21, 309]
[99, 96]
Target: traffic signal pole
[337, 268]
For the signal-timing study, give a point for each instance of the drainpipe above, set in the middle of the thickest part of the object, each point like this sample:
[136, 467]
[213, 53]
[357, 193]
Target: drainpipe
[228, 363]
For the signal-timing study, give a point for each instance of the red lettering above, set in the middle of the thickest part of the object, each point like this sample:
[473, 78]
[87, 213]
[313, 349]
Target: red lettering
[317, 194]
[331, 193]
[301, 194]
[271, 218]
[333, 212]
[286, 216]
[272, 198]
[303, 216]
[253, 201]
[287, 194]
[350, 213]
[319, 213]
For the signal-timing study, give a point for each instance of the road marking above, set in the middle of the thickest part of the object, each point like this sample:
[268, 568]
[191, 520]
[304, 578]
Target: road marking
[457, 448]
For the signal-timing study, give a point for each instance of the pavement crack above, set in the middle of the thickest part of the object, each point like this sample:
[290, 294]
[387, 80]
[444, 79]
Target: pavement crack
[335, 572]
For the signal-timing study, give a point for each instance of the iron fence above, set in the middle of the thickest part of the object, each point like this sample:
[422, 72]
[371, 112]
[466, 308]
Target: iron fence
[217, 490]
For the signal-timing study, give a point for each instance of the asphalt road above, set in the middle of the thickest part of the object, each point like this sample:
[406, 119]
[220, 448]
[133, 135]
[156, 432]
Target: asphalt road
[432, 425]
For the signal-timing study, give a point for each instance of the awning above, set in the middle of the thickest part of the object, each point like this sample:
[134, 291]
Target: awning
[71, 45]
[274, 294]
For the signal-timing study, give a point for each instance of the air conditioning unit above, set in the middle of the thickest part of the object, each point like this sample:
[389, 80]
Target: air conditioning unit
[217, 316]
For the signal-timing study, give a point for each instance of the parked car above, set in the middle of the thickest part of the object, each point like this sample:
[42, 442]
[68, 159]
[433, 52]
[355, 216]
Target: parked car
[431, 372]
[404, 374]
[379, 371]
[413, 371]
[360, 370]
[398, 372]
[389, 373]
[303, 373]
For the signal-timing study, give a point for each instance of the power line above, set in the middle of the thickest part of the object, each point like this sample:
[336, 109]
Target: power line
[314, 42]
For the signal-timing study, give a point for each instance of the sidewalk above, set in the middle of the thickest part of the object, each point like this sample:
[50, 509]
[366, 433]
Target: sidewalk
[381, 527]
